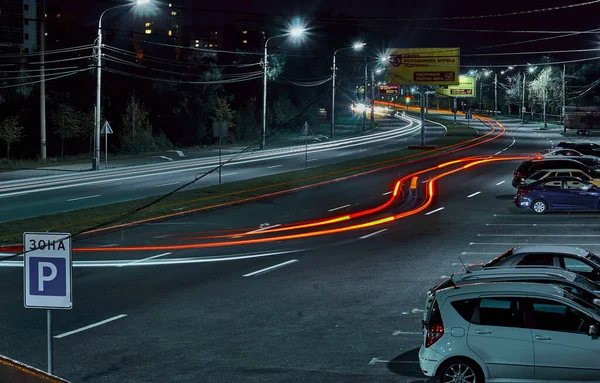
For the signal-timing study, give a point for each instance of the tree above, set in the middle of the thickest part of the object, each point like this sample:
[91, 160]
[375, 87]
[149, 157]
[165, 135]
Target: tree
[514, 91]
[246, 123]
[67, 123]
[137, 131]
[222, 111]
[282, 110]
[546, 89]
[11, 131]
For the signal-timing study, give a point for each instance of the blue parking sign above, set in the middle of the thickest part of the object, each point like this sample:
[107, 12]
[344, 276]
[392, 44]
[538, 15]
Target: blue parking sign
[47, 270]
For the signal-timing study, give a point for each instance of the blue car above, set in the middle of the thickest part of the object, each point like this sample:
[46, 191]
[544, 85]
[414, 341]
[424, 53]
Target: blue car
[558, 193]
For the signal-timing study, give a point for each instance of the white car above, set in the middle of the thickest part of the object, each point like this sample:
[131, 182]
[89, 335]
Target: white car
[510, 332]
[553, 153]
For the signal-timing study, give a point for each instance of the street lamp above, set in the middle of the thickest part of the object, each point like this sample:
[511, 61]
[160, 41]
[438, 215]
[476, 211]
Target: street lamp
[295, 32]
[530, 69]
[96, 159]
[357, 46]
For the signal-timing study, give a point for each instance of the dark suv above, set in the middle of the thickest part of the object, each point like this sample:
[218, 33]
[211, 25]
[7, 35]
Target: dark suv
[528, 168]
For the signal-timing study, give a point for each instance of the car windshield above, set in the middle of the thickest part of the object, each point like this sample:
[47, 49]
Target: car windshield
[582, 302]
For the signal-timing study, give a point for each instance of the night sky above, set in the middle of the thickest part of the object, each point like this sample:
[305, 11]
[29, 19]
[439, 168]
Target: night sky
[380, 20]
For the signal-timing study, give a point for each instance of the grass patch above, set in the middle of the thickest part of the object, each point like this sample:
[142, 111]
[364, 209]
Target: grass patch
[213, 196]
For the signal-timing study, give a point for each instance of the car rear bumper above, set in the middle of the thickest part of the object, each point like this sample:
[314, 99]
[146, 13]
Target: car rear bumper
[429, 361]
[523, 203]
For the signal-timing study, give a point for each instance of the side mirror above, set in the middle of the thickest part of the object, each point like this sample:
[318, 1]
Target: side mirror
[593, 330]
[596, 301]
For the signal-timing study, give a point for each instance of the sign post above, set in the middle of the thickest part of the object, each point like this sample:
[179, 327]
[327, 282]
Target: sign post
[48, 276]
[220, 129]
[106, 130]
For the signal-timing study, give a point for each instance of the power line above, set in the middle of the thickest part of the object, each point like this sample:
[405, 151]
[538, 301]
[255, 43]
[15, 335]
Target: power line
[51, 52]
[224, 81]
[47, 79]
[540, 39]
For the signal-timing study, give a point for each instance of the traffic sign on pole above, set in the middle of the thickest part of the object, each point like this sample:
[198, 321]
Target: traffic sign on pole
[48, 270]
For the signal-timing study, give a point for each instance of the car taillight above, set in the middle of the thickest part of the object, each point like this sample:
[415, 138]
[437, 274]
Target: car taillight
[521, 192]
[435, 327]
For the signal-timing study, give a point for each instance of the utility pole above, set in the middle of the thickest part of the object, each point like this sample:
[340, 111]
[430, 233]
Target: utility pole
[96, 159]
[422, 116]
[372, 98]
[495, 95]
[481, 94]
[364, 122]
[564, 94]
[43, 89]
[332, 127]
[263, 139]
[523, 104]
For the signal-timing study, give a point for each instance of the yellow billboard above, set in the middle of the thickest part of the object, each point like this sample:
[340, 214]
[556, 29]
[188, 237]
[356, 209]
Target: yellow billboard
[466, 88]
[423, 66]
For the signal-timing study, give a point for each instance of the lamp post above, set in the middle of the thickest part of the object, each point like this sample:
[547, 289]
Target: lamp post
[356, 46]
[96, 158]
[296, 32]
[530, 70]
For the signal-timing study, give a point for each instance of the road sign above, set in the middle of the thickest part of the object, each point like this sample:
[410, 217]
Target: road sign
[466, 88]
[106, 129]
[48, 270]
[388, 89]
[424, 66]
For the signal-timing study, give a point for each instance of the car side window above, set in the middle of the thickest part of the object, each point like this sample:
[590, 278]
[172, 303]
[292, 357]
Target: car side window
[553, 185]
[555, 316]
[577, 185]
[504, 312]
[577, 266]
[465, 308]
[537, 260]
[563, 174]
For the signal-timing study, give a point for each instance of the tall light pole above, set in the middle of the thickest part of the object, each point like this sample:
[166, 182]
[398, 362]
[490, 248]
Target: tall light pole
[295, 32]
[495, 95]
[356, 46]
[530, 70]
[364, 121]
[96, 159]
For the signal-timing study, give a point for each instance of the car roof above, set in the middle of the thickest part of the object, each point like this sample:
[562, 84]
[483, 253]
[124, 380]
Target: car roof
[519, 272]
[511, 288]
[555, 249]
[561, 178]
[560, 170]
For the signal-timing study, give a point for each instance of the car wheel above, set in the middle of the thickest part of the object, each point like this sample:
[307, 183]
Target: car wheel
[460, 370]
[539, 206]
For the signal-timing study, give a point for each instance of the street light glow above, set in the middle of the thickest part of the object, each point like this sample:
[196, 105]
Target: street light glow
[487, 73]
[472, 72]
[378, 71]
[297, 31]
[511, 67]
[358, 45]
[142, 2]
[531, 69]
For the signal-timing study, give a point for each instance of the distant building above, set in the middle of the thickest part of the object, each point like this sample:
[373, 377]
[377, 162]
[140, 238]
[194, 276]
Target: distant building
[18, 26]
[164, 27]
[244, 36]
[63, 29]
[203, 38]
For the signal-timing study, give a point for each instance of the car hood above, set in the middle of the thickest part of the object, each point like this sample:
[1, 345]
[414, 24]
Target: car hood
[474, 267]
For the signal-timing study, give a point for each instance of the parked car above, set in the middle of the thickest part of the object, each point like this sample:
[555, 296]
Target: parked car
[588, 148]
[572, 282]
[529, 167]
[558, 193]
[550, 173]
[553, 153]
[509, 332]
[570, 258]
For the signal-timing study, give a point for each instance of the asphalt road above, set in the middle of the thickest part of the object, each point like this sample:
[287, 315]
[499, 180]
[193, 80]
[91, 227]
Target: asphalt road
[336, 308]
[49, 195]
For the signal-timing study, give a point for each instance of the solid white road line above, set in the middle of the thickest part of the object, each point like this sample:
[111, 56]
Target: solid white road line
[90, 326]
[144, 259]
[263, 228]
[372, 234]
[109, 245]
[80, 198]
[387, 193]
[363, 150]
[162, 236]
[338, 208]
[229, 174]
[500, 152]
[266, 270]
[474, 194]
[314, 159]
[400, 332]
[169, 184]
[500, 183]
[274, 166]
[435, 211]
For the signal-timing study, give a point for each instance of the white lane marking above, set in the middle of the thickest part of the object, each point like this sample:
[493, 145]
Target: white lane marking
[341, 154]
[530, 244]
[471, 253]
[435, 211]
[229, 174]
[263, 228]
[162, 236]
[500, 183]
[144, 259]
[400, 332]
[90, 326]
[387, 193]
[539, 224]
[474, 194]
[415, 311]
[512, 143]
[363, 150]
[500, 152]
[274, 166]
[374, 361]
[179, 209]
[109, 245]
[271, 268]
[537, 235]
[314, 159]
[338, 208]
[372, 234]
[169, 184]
[443, 276]
[81, 198]
[505, 149]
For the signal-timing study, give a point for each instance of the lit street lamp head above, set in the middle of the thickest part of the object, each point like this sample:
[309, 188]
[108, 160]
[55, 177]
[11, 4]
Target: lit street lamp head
[142, 2]
[358, 46]
[297, 32]
[531, 69]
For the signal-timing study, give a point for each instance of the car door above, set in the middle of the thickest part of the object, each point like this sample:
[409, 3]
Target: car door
[498, 336]
[581, 267]
[553, 193]
[563, 349]
[580, 195]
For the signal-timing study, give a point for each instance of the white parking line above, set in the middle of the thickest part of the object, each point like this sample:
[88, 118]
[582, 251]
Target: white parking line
[474, 194]
[500, 183]
[435, 211]
[341, 154]
[537, 235]
[169, 184]
[80, 198]
[338, 208]
[314, 159]
[274, 166]
[539, 224]
[400, 332]
[264, 228]
[144, 259]
[529, 244]
[387, 193]
[372, 234]
[109, 245]
[90, 326]
[229, 174]
[162, 236]
[266, 270]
